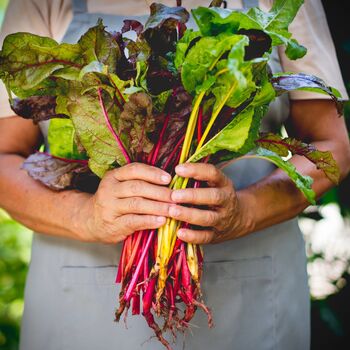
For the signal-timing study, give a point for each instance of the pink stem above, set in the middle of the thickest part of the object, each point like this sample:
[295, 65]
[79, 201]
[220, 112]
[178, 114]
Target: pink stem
[135, 276]
[105, 114]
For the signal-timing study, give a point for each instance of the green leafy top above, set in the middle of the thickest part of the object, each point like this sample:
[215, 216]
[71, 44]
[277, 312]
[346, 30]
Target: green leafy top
[275, 23]
[121, 100]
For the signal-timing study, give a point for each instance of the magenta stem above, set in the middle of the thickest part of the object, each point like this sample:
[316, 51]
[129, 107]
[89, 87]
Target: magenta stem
[117, 138]
[135, 276]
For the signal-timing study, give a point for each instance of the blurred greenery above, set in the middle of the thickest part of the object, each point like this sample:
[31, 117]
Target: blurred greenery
[15, 243]
[15, 239]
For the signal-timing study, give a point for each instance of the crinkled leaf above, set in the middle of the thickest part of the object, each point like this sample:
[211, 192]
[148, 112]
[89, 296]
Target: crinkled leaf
[99, 45]
[37, 108]
[282, 146]
[137, 121]
[132, 25]
[234, 82]
[205, 54]
[28, 60]
[184, 45]
[303, 182]
[275, 23]
[161, 28]
[162, 15]
[52, 172]
[285, 82]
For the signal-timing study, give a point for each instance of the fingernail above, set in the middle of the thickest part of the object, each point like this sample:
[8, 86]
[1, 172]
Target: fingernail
[181, 233]
[174, 211]
[165, 178]
[161, 219]
[181, 169]
[177, 195]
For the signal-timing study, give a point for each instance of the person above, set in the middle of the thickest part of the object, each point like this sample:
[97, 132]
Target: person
[255, 280]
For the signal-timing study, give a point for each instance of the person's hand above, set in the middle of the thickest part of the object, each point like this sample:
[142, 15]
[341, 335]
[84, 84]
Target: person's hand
[131, 198]
[223, 218]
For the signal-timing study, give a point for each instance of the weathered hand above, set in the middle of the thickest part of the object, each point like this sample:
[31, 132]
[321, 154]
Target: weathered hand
[131, 198]
[223, 217]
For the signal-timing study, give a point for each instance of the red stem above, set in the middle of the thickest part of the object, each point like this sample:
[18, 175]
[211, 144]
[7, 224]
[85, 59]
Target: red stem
[135, 276]
[110, 127]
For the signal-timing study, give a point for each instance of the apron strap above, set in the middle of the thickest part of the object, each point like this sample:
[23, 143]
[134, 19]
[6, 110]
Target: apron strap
[79, 7]
[247, 4]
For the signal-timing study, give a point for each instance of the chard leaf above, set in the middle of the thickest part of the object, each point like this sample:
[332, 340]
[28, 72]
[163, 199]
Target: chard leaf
[237, 137]
[37, 108]
[27, 61]
[99, 45]
[92, 67]
[303, 182]
[282, 146]
[91, 128]
[184, 45]
[181, 107]
[162, 15]
[285, 82]
[62, 139]
[275, 23]
[132, 25]
[205, 54]
[137, 121]
[234, 79]
[161, 28]
[159, 101]
[52, 172]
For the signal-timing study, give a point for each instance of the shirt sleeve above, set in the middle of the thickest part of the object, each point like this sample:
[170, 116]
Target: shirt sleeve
[42, 17]
[311, 30]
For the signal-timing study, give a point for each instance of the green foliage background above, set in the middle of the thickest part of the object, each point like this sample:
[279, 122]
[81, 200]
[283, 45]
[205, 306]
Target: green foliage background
[14, 258]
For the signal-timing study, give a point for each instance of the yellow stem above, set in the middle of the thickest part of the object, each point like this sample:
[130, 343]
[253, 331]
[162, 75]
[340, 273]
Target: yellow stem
[213, 118]
[191, 128]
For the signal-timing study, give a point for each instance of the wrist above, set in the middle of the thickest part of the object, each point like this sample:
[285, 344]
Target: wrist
[246, 219]
[82, 216]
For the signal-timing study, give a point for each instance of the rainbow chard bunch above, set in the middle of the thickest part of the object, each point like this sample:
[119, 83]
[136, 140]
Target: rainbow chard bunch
[171, 95]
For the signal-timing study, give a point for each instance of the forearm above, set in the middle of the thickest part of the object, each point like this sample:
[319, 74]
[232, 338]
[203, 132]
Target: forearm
[275, 198]
[36, 206]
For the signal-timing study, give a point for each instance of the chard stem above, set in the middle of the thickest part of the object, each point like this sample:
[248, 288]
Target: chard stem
[191, 128]
[136, 273]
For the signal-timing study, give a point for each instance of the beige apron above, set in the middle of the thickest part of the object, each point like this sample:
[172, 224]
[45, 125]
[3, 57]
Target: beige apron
[256, 286]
